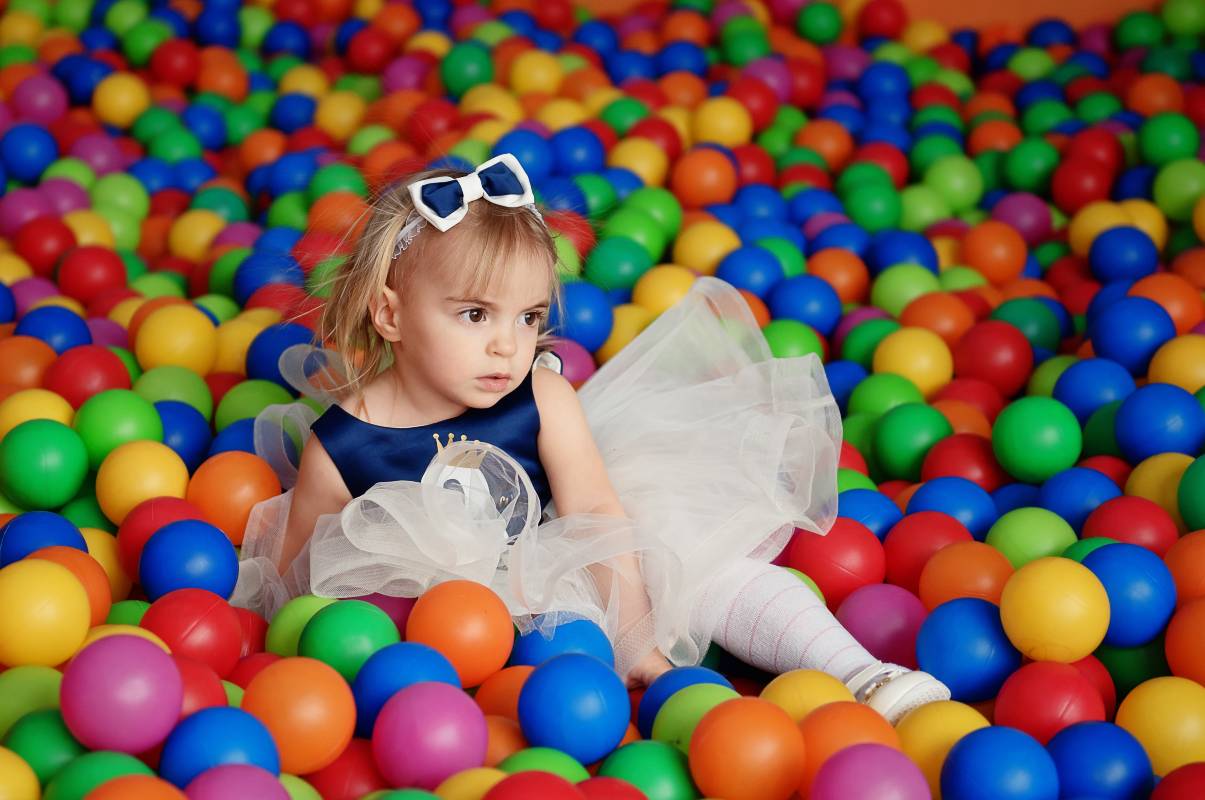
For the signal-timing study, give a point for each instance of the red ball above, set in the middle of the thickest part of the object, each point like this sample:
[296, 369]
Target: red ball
[177, 62]
[850, 556]
[104, 301]
[660, 132]
[753, 165]
[1078, 182]
[283, 297]
[202, 686]
[1078, 296]
[1098, 675]
[980, 394]
[1183, 783]
[935, 94]
[997, 353]
[913, 540]
[1134, 520]
[1194, 104]
[887, 156]
[600, 788]
[555, 15]
[1045, 697]
[1117, 469]
[84, 371]
[300, 11]
[254, 629]
[197, 624]
[42, 242]
[169, 203]
[307, 138]
[808, 81]
[315, 246]
[646, 91]
[951, 56]
[886, 18]
[1066, 271]
[852, 459]
[525, 785]
[221, 382]
[432, 119]
[144, 521]
[574, 227]
[249, 666]
[1098, 146]
[809, 174]
[758, 99]
[351, 776]
[965, 455]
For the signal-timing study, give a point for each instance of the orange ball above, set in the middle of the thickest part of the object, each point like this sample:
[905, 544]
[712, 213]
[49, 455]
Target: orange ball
[88, 571]
[995, 250]
[683, 89]
[1180, 299]
[828, 138]
[23, 361]
[1186, 561]
[940, 312]
[498, 695]
[261, 147]
[686, 26]
[505, 739]
[1155, 93]
[835, 726]
[964, 417]
[702, 177]
[747, 749]
[307, 707]
[760, 312]
[338, 213]
[964, 569]
[136, 787]
[227, 486]
[1184, 645]
[843, 271]
[1191, 265]
[989, 101]
[994, 134]
[398, 21]
[468, 624]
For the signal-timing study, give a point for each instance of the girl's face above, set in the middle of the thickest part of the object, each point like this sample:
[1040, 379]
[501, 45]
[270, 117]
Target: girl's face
[473, 350]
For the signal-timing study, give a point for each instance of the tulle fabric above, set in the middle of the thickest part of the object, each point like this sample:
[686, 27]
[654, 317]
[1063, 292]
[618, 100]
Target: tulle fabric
[716, 449]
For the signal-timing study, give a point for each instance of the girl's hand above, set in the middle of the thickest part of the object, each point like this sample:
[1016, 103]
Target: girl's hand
[648, 670]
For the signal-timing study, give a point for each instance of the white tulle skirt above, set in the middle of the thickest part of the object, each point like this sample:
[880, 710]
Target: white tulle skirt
[716, 449]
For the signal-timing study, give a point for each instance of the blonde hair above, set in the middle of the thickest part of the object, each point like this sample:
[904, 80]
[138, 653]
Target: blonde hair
[478, 251]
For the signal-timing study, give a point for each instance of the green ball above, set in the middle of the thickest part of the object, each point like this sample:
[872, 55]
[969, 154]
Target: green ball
[904, 435]
[1025, 534]
[1138, 29]
[234, 694]
[957, 180]
[569, 263]
[1033, 318]
[1080, 549]
[1184, 17]
[345, 634]
[944, 114]
[678, 716]
[599, 193]
[1044, 116]
[1029, 165]
[623, 113]
[819, 23]
[1036, 437]
[123, 15]
[90, 770]
[742, 40]
[1130, 666]
[471, 150]
[254, 24]
[114, 417]
[852, 479]
[223, 308]
[1042, 382]
[152, 123]
[140, 41]
[1031, 63]
[245, 400]
[617, 263]
[25, 689]
[897, 286]
[175, 383]
[43, 464]
[858, 430]
[1178, 186]
[17, 54]
[221, 277]
[42, 740]
[660, 204]
[400, 794]
[639, 226]
[1097, 107]
[74, 16]
[789, 256]
[878, 393]
[466, 65]
[298, 788]
[658, 769]
[922, 207]
[164, 283]
[127, 612]
[223, 202]
[991, 166]
[874, 207]
[956, 278]
[545, 759]
[73, 170]
[290, 210]
[1100, 436]
[122, 192]
[492, 32]
[861, 174]
[1191, 495]
[775, 140]
[861, 342]
[84, 511]
[241, 122]
[284, 631]
[175, 145]
[367, 138]
[790, 338]
[928, 150]
[1168, 137]
[921, 69]
[808, 582]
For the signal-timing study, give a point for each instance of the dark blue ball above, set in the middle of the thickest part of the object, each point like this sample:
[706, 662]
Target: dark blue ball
[964, 500]
[1142, 594]
[58, 327]
[292, 112]
[531, 149]
[1123, 253]
[33, 530]
[682, 57]
[391, 669]
[1130, 331]
[190, 173]
[27, 149]
[577, 150]
[1091, 383]
[962, 643]
[760, 202]
[597, 35]
[188, 554]
[1013, 496]
[807, 203]
[261, 269]
[872, 508]
[888, 248]
[287, 38]
[154, 174]
[218, 26]
[292, 172]
[999, 762]
[806, 299]
[212, 737]
[665, 686]
[572, 636]
[1159, 418]
[752, 268]
[576, 704]
[1100, 759]
[588, 317]
[843, 235]
[1075, 493]
[185, 431]
[8, 304]
[238, 435]
[207, 124]
[263, 356]
[843, 378]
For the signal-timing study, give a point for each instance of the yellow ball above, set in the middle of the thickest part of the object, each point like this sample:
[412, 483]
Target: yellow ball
[924, 34]
[137, 471]
[702, 246]
[560, 113]
[433, 42]
[18, 27]
[340, 114]
[234, 338]
[44, 613]
[599, 99]
[90, 228]
[102, 546]
[69, 303]
[1180, 361]
[490, 98]
[30, 404]
[927, 734]
[367, 9]
[177, 335]
[18, 781]
[917, 354]
[1198, 218]
[193, 232]
[304, 79]
[1158, 480]
[850, 9]
[13, 268]
[629, 320]
[641, 156]
[489, 130]
[536, 72]
[105, 631]
[469, 784]
[661, 287]
[262, 316]
[124, 310]
[1146, 217]
[947, 249]
[680, 118]
[1054, 609]
[1167, 716]
[722, 120]
[120, 98]
[801, 691]
[1091, 221]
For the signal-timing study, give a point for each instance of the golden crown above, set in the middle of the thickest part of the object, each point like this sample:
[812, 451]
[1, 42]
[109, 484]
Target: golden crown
[471, 459]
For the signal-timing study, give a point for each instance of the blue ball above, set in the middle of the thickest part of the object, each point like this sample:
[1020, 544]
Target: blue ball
[625, 65]
[185, 431]
[808, 203]
[577, 150]
[664, 687]
[574, 636]
[1108, 294]
[962, 643]
[1091, 383]
[263, 356]
[8, 304]
[345, 31]
[562, 194]
[260, 269]
[391, 669]
[154, 174]
[1015, 495]
[681, 57]
[33, 530]
[843, 378]
[727, 213]
[215, 736]
[890, 133]
[1142, 594]
[1102, 760]
[218, 26]
[189, 173]
[1123, 253]
[758, 201]
[1047, 32]
[587, 316]
[207, 124]
[889, 248]
[884, 80]
[872, 508]
[1136, 183]
[1159, 418]
[964, 500]
[56, 326]
[623, 181]
[27, 150]
[277, 240]
[292, 172]
[1130, 331]
[998, 763]
[1075, 493]
[238, 435]
[755, 230]
[576, 704]
[188, 554]
[806, 299]
[752, 268]
[287, 38]
[534, 152]
[843, 235]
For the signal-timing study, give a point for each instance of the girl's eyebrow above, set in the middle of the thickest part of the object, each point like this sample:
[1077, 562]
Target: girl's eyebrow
[540, 303]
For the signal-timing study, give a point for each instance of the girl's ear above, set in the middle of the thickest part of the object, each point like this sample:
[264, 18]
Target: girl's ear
[385, 311]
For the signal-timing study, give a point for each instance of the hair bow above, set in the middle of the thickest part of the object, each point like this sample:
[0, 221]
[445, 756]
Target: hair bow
[443, 202]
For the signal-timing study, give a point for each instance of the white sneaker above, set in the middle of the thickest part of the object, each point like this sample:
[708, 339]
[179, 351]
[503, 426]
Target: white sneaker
[893, 690]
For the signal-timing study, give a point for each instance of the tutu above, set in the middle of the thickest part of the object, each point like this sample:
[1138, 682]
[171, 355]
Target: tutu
[716, 449]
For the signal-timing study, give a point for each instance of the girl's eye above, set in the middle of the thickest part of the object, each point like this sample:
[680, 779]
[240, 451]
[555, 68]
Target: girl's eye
[473, 315]
[532, 318]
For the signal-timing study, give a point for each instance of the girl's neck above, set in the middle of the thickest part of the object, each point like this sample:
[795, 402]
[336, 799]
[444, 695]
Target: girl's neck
[417, 400]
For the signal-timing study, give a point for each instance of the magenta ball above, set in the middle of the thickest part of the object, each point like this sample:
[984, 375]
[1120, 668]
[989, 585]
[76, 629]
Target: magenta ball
[845, 63]
[121, 693]
[398, 608]
[467, 17]
[1027, 213]
[1097, 39]
[869, 770]
[107, 332]
[64, 196]
[235, 780]
[40, 99]
[578, 364]
[634, 23]
[818, 223]
[852, 319]
[406, 72]
[427, 732]
[20, 206]
[28, 291]
[99, 151]
[955, 228]
[773, 73]
[886, 619]
[786, 11]
[6, 117]
[240, 234]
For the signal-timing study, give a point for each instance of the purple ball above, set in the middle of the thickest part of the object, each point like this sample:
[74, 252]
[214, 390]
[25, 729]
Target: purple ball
[99, 151]
[855, 317]
[235, 780]
[869, 770]
[20, 206]
[1027, 213]
[428, 732]
[108, 333]
[773, 73]
[240, 234]
[64, 196]
[407, 72]
[886, 619]
[121, 693]
[40, 99]
[465, 18]
[398, 608]
[845, 63]
[28, 291]
[578, 364]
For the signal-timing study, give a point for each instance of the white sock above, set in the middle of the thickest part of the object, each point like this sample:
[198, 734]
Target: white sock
[768, 618]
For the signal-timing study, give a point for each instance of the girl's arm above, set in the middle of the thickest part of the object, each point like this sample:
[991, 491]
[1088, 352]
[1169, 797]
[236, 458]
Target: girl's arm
[319, 490]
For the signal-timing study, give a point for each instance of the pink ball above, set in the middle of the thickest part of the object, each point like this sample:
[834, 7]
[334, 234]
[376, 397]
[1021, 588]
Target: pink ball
[64, 196]
[426, 733]
[845, 63]
[28, 291]
[772, 73]
[235, 780]
[100, 152]
[818, 223]
[121, 693]
[1027, 213]
[465, 18]
[634, 23]
[578, 363]
[1097, 39]
[241, 234]
[886, 619]
[398, 608]
[869, 770]
[20, 206]
[786, 11]
[107, 332]
[407, 72]
[321, 36]
[39, 98]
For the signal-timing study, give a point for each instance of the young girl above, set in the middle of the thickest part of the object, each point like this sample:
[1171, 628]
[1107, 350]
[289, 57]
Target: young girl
[651, 501]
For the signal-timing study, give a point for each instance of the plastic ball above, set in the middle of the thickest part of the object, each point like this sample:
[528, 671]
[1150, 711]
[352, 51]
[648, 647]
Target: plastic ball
[964, 569]
[996, 353]
[747, 747]
[1099, 759]
[1055, 609]
[998, 763]
[198, 625]
[227, 486]
[1035, 438]
[41, 739]
[680, 715]
[835, 726]
[1142, 594]
[188, 554]
[848, 557]
[452, 738]
[573, 636]
[665, 686]
[34, 530]
[1164, 715]
[1159, 418]
[60, 328]
[1122, 253]
[869, 770]
[885, 619]
[963, 644]
[213, 737]
[468, 624]
[230, 780]
[1043, 698]
[177, 335]
[927, 734]
[346, 634]
[576, 704]
[45, 613]
[917, 354]
[308, 709]
[391, 669]
[1091, 383]
[914, 540]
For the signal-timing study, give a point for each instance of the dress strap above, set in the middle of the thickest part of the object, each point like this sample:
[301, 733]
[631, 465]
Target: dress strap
[549, 360]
